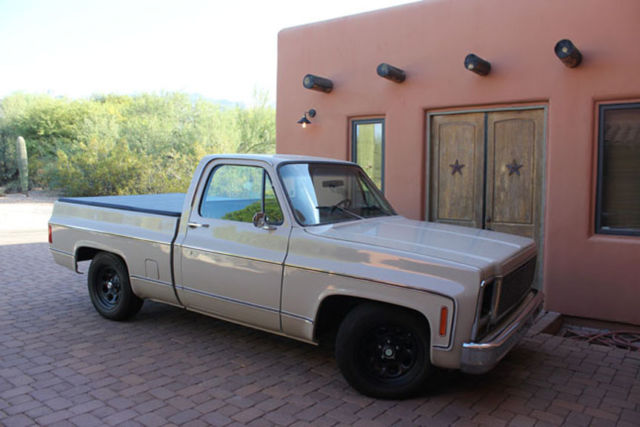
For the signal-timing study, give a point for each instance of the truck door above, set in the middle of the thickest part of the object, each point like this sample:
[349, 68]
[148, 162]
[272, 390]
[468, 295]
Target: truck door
[230, 267]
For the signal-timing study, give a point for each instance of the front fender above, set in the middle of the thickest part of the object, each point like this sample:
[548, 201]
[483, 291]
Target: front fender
[304, 291]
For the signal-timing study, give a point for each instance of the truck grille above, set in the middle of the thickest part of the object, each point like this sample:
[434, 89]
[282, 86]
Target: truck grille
[515, 287]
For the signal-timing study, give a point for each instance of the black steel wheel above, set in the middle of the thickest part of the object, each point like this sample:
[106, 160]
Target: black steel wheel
[383, 351]
[389, 351]
[110, 289]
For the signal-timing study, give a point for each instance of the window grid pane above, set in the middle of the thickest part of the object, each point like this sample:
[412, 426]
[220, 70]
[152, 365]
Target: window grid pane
[619, 206]
[368, 148]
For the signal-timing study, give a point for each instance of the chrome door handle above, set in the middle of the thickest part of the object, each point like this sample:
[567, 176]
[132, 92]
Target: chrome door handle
[197, 225]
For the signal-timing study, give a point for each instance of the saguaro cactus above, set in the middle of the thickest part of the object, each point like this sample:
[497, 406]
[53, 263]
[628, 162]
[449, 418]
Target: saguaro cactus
[23, 164]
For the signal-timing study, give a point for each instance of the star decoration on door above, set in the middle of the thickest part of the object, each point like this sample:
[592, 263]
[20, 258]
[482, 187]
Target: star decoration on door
[514, 167]
[456, 167]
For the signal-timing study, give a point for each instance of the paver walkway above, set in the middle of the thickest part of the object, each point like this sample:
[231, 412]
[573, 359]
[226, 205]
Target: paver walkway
[62, 364]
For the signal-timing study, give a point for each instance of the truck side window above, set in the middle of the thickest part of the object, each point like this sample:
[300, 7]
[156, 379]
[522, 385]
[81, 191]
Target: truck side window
[235, 193]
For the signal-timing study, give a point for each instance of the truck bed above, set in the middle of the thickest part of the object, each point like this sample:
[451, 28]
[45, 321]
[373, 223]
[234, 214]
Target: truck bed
[169, 204]
[139, 229]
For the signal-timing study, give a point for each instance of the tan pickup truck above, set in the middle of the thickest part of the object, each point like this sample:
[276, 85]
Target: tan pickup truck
[310, 249]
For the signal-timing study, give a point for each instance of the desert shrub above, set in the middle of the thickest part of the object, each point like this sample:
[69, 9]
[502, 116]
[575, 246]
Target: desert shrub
[125, 144]
[271, 208]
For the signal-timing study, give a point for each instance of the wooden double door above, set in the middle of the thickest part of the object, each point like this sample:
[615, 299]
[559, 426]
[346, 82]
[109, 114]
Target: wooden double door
[486, 170]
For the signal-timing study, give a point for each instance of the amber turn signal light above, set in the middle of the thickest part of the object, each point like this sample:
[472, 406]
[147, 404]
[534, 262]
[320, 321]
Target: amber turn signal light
[443, 321]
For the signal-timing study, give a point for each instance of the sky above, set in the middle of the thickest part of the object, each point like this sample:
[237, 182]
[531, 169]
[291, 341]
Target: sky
[220, 50]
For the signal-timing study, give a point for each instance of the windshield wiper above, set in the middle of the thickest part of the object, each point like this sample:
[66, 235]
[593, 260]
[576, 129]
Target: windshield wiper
[378, 209]
[336, 206]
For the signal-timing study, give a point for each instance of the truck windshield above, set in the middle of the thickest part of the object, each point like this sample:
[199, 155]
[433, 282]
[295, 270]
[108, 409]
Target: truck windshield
[324, 193]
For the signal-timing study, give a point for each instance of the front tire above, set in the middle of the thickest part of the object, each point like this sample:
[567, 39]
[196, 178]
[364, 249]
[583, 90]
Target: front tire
[383, 351]
[110, 289]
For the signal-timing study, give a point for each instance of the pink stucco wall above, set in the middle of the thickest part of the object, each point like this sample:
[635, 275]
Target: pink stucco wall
[585, 274]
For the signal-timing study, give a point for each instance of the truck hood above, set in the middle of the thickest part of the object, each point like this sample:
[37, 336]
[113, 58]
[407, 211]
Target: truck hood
[473, 247]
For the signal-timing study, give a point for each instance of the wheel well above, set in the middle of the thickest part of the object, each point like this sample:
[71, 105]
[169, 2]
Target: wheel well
[86, 254]
[333, 310]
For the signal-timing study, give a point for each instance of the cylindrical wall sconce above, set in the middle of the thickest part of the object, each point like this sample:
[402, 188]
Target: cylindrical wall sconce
[391, 73]
[317, 83]
[477, 65]
[568, 53]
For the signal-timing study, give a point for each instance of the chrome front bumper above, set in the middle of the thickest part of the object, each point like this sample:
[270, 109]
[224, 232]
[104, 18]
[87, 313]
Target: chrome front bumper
[481, 357]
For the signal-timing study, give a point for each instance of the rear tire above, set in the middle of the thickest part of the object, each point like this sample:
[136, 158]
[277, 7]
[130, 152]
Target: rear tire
[383, 351]
[110, 288]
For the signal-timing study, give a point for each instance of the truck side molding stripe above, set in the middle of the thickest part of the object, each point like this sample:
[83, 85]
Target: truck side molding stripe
[61, 252]
[209, 251]
[224, 298]
[108, 233]
[197, 291]
[297, 316]
[157, 282]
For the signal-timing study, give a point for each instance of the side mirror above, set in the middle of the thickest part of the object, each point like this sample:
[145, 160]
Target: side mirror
[260, 220]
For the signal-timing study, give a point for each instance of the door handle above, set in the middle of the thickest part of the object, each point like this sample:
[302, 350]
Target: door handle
[197, 225]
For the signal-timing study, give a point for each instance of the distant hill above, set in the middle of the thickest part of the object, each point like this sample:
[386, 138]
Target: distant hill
[224, 103]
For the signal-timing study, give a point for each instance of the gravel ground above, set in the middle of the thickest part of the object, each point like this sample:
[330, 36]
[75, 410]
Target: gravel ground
[24, 219]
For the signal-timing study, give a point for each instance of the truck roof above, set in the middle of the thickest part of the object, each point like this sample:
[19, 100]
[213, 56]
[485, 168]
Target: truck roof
[274, 159]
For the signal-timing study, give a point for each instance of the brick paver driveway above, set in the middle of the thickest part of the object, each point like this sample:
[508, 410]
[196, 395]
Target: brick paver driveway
[61, 363]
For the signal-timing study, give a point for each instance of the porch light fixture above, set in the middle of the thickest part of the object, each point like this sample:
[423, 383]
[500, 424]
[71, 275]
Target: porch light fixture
[391, 73]
[568, 53]
[321, 84]
[304, 121]
[477, 65]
